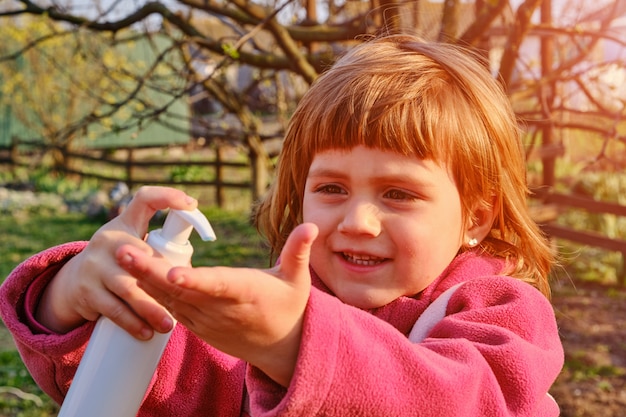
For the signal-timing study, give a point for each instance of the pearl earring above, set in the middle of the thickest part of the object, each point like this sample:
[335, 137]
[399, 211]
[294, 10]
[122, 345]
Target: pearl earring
[472, 242]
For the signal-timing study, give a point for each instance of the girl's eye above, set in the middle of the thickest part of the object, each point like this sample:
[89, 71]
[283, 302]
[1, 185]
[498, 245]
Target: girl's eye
[329, 189]
[399, 195]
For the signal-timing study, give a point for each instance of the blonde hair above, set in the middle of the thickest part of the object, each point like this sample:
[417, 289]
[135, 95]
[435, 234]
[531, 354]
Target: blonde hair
[429, 100]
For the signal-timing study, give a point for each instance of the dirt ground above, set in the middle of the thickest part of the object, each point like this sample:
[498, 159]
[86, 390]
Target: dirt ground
[592, 322]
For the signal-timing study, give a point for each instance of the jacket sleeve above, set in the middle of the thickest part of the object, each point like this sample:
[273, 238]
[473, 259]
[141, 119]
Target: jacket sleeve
[192, 377]
[50, 358]
[496, 353]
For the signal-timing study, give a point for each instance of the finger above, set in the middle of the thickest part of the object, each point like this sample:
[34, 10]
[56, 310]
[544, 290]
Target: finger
[219, 282]
[149, 267]
[122, 315]
[146, 301]
[294, 264]
[150, 273]
[148, 200]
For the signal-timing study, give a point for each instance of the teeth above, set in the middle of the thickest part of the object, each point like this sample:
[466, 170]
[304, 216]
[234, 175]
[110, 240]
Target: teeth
[365, 260]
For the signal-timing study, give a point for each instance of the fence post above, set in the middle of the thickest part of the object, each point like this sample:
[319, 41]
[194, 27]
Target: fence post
[621, 276]
[219, 190]
[129, 168]
[13, 155]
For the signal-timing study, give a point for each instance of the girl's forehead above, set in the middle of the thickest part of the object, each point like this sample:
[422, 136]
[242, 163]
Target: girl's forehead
[372, 161]
[338, 152]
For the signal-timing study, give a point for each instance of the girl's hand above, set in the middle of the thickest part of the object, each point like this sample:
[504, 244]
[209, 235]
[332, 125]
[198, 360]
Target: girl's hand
[92, 284]
[253, 314]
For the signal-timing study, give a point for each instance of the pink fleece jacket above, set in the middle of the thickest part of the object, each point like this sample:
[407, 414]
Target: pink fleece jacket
[496, 353]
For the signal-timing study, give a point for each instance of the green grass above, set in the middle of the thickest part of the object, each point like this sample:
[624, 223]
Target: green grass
[19, 395]
[26, 233]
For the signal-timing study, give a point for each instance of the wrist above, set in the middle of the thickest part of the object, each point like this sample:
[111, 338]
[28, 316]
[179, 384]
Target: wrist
[279, 362]
[52, 311]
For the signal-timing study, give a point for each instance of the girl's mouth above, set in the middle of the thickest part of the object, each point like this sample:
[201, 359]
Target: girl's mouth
[363, 260]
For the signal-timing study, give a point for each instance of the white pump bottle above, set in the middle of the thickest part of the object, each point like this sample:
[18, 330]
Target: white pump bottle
[116, 369]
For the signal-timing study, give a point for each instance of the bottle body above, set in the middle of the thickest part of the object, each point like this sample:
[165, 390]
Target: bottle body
[116, 369]
[114, 374]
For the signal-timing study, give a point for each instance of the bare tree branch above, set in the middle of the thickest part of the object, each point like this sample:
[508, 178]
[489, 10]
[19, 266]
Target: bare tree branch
[519, 29]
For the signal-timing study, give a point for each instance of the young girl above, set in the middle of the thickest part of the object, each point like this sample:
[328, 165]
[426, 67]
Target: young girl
[402, 175]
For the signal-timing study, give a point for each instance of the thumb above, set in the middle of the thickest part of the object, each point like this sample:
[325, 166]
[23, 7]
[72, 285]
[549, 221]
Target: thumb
[295, 256]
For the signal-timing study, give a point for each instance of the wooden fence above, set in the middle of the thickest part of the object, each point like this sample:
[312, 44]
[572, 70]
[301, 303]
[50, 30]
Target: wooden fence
[224, 167]
[553, 204]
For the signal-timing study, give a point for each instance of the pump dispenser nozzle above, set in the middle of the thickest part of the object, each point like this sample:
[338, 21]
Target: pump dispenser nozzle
[179, 224]
[171, 241]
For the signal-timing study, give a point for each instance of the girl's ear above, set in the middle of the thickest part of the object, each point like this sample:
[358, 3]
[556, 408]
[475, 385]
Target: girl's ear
[482, 219]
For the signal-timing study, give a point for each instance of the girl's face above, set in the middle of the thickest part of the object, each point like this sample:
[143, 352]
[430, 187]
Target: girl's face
[388, 224]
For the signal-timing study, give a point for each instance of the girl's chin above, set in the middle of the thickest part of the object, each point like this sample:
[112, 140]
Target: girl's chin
[365, 302]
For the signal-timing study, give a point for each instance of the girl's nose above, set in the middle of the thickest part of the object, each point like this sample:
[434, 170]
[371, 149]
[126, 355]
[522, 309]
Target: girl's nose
[361, 218]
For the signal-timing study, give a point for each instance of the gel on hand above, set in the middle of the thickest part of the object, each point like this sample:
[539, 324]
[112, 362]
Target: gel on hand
[116, 369]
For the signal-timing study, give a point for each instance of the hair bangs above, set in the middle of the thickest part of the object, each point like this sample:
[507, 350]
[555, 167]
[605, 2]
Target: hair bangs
[363, 115]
